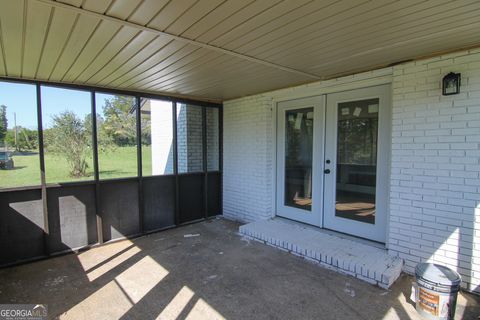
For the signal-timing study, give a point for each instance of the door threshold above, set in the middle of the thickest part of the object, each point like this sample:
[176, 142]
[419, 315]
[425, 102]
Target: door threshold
[366, 260]
[338, 234]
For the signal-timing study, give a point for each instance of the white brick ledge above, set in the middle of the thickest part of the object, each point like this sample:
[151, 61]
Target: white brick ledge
[360, 260]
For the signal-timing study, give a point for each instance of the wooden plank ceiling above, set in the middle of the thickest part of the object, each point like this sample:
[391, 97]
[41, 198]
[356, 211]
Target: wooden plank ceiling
[222, 49]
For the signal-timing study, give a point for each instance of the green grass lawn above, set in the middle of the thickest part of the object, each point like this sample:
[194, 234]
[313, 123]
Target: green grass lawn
[25, 173]
[118, 163]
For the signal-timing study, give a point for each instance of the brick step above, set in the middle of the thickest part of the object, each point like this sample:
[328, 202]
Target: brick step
[359, 258]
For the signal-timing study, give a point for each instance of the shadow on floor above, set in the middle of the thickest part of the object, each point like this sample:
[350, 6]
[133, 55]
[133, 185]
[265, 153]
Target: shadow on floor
[206, 271]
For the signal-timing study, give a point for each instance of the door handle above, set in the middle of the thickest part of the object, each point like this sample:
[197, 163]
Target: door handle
[326, 171]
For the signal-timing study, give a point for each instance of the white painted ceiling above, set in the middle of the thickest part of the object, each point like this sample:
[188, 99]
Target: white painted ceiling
[222, 49]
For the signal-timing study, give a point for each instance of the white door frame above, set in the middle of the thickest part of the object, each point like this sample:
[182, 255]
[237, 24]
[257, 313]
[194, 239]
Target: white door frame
[313, 217]
[319, 197]
[377, 231]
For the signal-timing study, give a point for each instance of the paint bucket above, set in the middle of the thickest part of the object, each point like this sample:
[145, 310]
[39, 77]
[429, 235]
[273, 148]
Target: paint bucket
[436, 292]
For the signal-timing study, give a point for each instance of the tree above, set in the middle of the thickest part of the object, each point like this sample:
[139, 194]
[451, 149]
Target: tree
[104, 141]
[68, 138]
[120, 120]
[26, 139]
[146, 130]
[3, 123]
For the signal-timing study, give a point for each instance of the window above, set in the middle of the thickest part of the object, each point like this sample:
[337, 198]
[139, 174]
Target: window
[116, 136]
[67, 134]
[189, 138]
[157, 137]
[19, 159]
[213, 139]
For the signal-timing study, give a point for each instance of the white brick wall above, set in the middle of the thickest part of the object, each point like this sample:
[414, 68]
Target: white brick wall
[162, 136]
[435, 183]
[249, 139]
[189, 138]
[248, 159]
[213, 141]
[435, 194]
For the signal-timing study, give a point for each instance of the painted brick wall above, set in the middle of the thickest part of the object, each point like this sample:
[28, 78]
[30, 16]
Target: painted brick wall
[213, 139]
[249, 138]
[248, 159]
[435, 185]
[161, 126]
[189, 138]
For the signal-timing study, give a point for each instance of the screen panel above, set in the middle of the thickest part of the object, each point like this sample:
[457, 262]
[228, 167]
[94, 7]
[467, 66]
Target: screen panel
[116, 136]
[191, 203]
[214, 206]
[189, 138]
[157, 137]
[158, 202]
[21, 225]
[119, 209]
[19, 150]
[213, 138]
[71, 217]
[67, 134]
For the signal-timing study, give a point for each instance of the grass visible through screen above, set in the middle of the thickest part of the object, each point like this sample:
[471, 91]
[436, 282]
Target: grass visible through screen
[120, 162]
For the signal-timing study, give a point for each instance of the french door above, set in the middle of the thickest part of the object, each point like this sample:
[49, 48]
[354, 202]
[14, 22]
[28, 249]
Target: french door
[332, 161]
[300, 128]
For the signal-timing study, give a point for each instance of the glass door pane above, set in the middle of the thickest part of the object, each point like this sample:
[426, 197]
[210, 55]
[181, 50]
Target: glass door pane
[298, 158]
[300, 154]
[356, 174]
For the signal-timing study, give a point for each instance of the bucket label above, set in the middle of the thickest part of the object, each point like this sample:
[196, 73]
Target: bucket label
[428, 301]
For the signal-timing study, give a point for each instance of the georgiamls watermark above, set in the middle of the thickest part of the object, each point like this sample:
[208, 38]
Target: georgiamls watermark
[23, 311]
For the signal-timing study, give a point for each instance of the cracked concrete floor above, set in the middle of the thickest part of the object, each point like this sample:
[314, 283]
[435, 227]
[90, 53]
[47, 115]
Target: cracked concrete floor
[203, 271]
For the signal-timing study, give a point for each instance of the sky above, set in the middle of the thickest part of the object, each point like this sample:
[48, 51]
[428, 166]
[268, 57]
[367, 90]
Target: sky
[21, 100]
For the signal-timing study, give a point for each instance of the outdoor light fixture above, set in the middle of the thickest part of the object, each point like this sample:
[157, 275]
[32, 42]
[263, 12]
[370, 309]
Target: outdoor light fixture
[451, 84]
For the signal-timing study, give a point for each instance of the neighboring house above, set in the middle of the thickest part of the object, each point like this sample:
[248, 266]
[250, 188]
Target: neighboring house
[415, 188]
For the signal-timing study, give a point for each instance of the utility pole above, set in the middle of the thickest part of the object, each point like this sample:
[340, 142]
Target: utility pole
[16, 129]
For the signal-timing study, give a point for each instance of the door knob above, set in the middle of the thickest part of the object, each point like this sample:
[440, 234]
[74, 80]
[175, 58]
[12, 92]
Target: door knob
[326, 171]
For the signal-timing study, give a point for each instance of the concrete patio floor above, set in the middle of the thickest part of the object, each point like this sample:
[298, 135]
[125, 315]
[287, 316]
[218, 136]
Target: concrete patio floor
[203, 271]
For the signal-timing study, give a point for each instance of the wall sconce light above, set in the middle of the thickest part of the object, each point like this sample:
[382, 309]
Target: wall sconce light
[451, 84]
